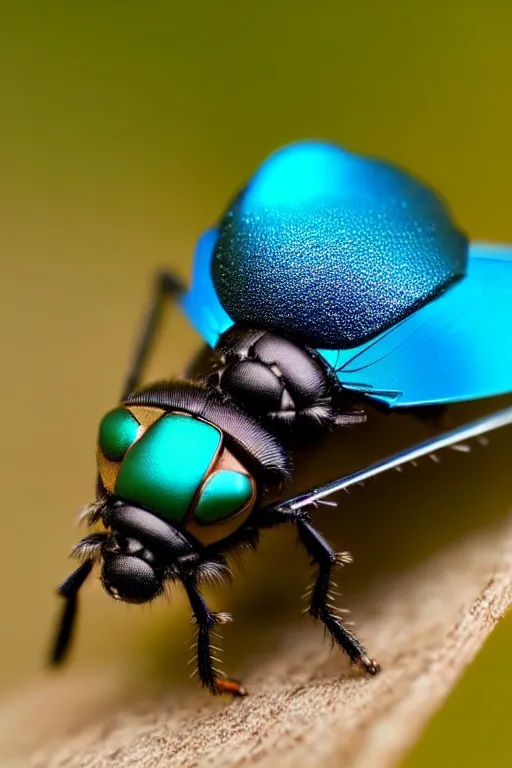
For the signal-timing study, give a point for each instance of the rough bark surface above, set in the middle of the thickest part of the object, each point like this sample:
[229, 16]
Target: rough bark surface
[425, 629]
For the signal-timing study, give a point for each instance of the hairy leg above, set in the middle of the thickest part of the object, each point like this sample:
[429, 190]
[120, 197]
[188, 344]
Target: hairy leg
[166, 287]
[209, 676]
[69, 591]
[321, 599]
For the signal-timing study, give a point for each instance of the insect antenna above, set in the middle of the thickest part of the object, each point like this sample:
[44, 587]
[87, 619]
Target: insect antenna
[459, 436]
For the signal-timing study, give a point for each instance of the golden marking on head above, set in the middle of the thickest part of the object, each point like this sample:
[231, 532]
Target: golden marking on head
[146, 415]
[108, 469]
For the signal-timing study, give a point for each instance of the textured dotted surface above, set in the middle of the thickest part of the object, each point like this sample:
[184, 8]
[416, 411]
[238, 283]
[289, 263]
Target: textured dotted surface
[333, 248]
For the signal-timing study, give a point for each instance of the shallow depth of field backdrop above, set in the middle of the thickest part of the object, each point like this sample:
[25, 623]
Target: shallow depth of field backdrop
[124, 129]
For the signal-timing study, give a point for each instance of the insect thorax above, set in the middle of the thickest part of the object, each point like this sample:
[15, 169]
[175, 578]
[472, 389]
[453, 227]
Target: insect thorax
[279, 381]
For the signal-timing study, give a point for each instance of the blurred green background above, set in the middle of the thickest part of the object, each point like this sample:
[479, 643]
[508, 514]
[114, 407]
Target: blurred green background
[125, 127]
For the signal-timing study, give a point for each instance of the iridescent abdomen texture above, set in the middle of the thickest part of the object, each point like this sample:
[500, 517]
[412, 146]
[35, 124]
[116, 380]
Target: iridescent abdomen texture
[332, 248]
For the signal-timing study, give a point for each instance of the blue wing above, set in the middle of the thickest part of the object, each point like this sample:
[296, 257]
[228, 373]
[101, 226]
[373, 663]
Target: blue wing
[457, 347]
[327, 246]
[350, 253]
[201, 304]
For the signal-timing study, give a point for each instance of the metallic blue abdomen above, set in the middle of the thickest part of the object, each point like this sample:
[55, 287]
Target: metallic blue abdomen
[332, 248]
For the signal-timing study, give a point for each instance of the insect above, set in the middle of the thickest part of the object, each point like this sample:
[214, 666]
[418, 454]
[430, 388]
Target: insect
[332, 282]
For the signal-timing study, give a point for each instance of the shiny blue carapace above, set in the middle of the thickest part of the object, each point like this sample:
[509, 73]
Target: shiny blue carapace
[360, 260]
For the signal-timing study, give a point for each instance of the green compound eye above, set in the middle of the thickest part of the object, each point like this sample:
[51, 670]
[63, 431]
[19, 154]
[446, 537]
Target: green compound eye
[118, 430]
[164, 469]
[223, 495]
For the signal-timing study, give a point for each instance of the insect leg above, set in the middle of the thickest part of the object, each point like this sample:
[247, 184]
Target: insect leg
[209, 676]
[320, 605]
[274, 515]
[327, 560]
[69, 591]
[166, 287]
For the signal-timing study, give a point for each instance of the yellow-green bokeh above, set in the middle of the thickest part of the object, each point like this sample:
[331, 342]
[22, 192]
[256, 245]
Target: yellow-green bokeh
[472, 728]
[124, 129]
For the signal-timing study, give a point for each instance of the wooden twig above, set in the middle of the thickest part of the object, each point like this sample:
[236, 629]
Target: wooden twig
[307, 707]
